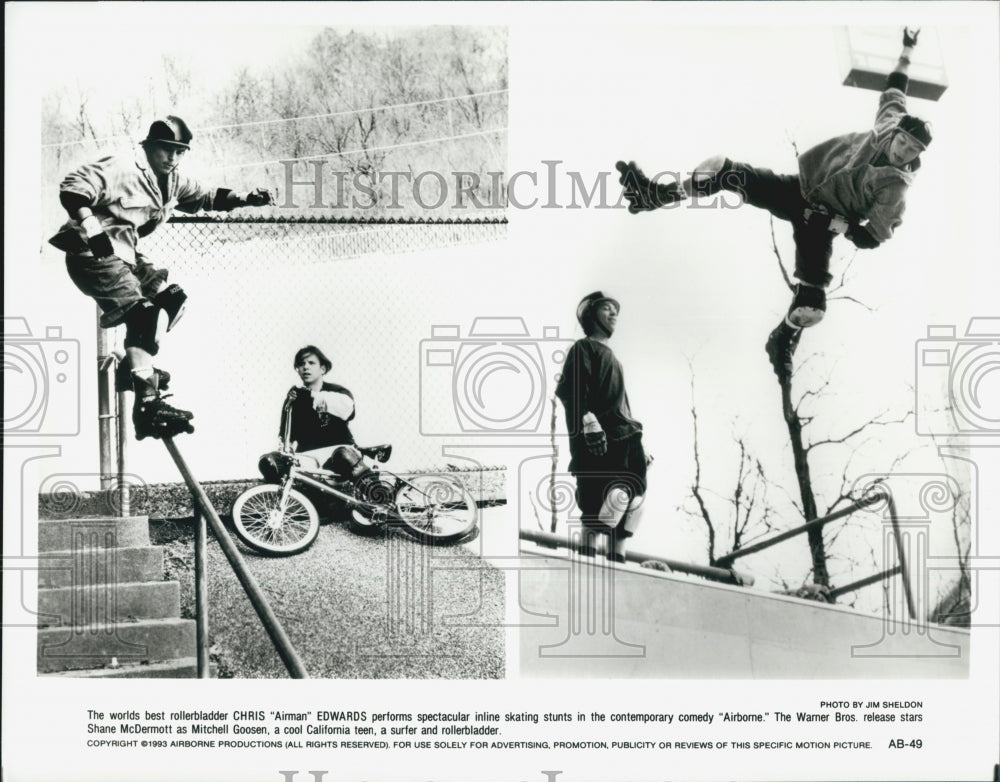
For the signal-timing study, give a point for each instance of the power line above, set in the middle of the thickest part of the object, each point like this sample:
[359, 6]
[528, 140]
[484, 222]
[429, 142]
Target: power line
[253, 163]
[345, 113]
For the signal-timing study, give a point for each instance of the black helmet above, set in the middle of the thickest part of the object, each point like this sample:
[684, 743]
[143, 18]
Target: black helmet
[919, 129]
[589, 303]
[170, 130]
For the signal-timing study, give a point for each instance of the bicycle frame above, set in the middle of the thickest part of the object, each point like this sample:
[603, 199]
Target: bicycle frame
[305, 476]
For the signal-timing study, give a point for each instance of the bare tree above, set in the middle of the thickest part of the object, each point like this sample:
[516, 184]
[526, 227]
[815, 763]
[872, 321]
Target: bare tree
[746, 513]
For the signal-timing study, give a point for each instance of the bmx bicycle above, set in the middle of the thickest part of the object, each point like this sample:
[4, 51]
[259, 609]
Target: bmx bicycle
[279, 519]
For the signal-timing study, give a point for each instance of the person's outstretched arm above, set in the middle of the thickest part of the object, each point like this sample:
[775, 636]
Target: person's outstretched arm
[900, 76]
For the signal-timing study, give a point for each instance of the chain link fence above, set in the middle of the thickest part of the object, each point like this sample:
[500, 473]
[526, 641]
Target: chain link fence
[366, 292]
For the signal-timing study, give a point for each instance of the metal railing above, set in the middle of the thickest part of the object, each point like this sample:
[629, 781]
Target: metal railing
[721, 574]
[873, 498]
[204, 510]
[723, 571]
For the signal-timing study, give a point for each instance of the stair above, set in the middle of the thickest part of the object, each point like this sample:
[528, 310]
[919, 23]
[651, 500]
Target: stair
[104, 609]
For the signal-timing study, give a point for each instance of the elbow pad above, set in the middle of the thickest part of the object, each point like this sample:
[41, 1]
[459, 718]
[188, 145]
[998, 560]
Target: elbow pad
[221, 201]
[862, 238]
[73, 202]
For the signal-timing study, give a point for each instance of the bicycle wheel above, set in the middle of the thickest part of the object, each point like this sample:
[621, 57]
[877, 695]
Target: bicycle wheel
[261, 524]
[436, 509]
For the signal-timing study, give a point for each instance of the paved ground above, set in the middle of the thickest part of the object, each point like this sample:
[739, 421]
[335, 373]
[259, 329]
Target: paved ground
[354, 607]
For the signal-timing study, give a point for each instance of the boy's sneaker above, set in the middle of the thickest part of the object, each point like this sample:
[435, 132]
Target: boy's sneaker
[780, 347]
[155, 418]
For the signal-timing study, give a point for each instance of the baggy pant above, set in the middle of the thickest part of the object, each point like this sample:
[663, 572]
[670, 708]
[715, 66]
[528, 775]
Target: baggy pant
[781, 195]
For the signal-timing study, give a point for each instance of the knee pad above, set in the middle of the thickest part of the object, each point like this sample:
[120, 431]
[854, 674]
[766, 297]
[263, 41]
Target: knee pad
[172, 301]
[808, 306]
[615, 506]
[347, 462]
[630, 523]
[271, 467]
[140, 327]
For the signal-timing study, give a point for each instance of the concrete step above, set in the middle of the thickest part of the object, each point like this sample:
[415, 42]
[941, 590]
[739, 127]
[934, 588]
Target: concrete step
[185, 668]
[88, 534]
[98, 566]
[103, 604]
[95, 646]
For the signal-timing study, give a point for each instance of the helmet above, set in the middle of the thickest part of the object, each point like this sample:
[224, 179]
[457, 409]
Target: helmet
[589, 303]
[169, 130]
[919, 129]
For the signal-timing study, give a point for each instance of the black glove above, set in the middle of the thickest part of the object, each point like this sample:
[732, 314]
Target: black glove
[98, 241]
[100, 245]
[642, 193]
[862, 238]
[597, 442]
[259, 197]
[910, 37]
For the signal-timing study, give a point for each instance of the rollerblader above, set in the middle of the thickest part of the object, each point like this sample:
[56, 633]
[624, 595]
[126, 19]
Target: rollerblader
[853, 185]
[112, 204]
[606, 454]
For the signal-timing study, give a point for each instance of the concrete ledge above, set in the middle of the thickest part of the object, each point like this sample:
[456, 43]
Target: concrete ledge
[108, 603]
[96, 646]
[670, 626]
[173, 500]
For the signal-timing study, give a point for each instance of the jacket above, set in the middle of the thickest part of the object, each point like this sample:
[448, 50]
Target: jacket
[841, 173]
[127, 199]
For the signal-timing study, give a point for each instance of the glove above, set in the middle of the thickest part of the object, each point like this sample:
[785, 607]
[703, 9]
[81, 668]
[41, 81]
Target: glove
[259, 197]
[98, 241]
[642, 194]
[910, 37]
[597, 442]
[862, 239]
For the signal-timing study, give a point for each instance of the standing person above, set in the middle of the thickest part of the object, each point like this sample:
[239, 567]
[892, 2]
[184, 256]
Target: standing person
[853, 184]
[112, 204]
[606, 454]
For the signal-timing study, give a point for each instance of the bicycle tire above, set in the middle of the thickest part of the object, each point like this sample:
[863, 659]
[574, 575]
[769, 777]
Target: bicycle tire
[257, 524]
[451, 517]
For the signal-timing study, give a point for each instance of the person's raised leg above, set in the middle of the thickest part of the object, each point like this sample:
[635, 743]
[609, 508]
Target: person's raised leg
[813, 248]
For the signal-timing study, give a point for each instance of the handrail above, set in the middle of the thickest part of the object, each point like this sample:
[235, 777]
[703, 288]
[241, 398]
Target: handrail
[267, 616]
[873, 498]
[791, 533]
[726, 576]
[201, 590]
